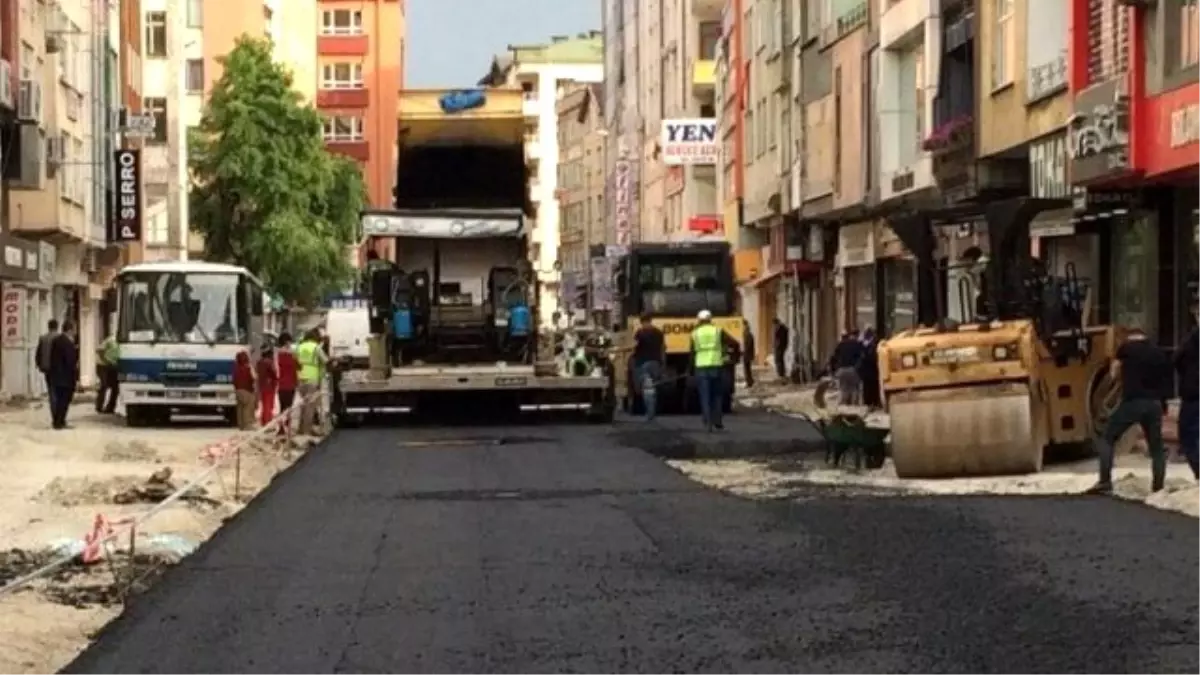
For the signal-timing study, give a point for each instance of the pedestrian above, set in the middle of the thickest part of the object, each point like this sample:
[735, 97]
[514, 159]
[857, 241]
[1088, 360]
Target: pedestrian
[781, 345]
[844, 365]
[63, 368]
[43, 361]
[1145, 375]
[268, 386]
[108, 356]
[708, 363]
[649, 354]
[868, 370]
[288, 370]
[748, 354]
[1187, 365]
[311, 359]
[243, 389]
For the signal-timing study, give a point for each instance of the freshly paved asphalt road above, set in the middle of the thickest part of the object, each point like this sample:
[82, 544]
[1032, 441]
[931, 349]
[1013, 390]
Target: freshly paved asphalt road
[565, 551]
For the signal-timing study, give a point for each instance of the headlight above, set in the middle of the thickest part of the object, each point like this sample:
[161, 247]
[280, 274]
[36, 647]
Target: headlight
[1005, 352]
[908, 360]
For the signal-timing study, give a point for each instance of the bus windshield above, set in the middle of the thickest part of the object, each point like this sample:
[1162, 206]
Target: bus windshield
[181, 307]
[682, 284]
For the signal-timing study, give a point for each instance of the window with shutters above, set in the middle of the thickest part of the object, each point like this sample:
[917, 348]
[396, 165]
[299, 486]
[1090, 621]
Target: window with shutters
[1107, 40]
[1003, 43]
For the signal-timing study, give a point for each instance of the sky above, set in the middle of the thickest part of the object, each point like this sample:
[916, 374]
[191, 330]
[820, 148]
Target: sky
[452, 42]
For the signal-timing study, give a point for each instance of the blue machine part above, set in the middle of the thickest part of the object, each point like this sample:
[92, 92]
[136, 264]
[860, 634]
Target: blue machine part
[402, 324]
[176, 372]
[519, 321]
[462, 100]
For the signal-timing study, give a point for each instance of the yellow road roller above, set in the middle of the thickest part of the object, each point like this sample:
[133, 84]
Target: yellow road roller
[1023, 376]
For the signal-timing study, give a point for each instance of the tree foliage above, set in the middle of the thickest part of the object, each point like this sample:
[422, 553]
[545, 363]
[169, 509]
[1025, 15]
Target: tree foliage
[266, 194]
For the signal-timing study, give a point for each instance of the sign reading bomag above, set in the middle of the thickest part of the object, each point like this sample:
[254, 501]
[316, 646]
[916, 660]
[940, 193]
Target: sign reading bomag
[678, 332]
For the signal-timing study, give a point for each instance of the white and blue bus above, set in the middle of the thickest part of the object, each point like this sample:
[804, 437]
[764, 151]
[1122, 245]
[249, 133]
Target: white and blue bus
[180, 326]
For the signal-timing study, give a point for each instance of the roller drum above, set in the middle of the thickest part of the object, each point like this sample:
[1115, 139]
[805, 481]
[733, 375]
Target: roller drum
[977, 431]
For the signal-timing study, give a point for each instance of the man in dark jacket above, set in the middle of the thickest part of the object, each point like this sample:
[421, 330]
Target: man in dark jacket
[868, 370]
[748, 354]
[63, 373]
[43, 360]
[1145, 375]
[1187, 365]
[844, 366]
[781, 344]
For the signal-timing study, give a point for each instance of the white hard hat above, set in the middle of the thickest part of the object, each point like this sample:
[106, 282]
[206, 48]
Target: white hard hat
[704, 315]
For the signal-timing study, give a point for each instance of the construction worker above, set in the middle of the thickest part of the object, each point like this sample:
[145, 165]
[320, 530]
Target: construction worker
[312, 360]
[708, 361]
[108, 385]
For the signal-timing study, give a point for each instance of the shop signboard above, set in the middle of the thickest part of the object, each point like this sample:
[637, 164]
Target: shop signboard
[12, 316]
[1098, 133]
[690, 141]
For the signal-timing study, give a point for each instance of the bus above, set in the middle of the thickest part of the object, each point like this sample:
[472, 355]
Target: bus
[180, 326]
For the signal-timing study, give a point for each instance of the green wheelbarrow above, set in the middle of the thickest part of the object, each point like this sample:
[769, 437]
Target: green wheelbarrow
[848, 434]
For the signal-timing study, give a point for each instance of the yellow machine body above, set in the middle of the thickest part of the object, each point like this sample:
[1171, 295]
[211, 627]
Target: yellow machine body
[990, 399]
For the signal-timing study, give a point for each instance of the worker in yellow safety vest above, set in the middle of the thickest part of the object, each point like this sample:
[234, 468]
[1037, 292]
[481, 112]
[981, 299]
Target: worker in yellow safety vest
[708, 358]
[311, 359]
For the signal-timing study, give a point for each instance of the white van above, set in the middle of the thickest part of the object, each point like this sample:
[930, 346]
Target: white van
[348, 329]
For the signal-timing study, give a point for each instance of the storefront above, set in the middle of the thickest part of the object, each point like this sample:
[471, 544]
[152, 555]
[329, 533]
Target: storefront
[896, 284]
[856, 276]
[18, 316]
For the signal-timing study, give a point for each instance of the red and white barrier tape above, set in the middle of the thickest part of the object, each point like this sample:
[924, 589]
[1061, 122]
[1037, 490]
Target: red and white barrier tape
[104, 530]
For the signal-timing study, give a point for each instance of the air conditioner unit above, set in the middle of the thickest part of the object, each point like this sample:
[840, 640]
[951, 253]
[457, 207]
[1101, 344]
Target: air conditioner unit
[54, 43]
[29, 101]
[6, 89]
[90, 261]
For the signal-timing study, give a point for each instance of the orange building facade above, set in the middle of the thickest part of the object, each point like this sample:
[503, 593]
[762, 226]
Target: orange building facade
[360, 71]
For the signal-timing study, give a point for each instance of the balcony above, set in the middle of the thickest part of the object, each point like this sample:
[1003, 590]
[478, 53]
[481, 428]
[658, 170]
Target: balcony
[344, 98]
[343, 45]
[904, 20]
[704, 75]
[355, 149]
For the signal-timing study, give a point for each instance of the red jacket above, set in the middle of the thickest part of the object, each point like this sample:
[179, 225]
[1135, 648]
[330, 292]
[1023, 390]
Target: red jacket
[267, 377]
[289, 369]
[243, 376]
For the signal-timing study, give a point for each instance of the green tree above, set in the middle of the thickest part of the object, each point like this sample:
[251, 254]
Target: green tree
[265, 192]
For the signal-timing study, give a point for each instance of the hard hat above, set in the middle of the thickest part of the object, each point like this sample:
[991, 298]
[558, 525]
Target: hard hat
[704, 315]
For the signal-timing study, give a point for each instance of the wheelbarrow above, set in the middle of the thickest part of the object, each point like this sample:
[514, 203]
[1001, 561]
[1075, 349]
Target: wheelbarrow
[848, 434]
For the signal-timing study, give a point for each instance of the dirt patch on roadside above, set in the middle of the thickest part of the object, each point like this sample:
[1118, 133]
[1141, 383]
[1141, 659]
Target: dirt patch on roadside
[80, 490]
[133, 451]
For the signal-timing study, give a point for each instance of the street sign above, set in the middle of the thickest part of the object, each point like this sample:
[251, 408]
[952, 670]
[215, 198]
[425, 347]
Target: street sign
[138, 125]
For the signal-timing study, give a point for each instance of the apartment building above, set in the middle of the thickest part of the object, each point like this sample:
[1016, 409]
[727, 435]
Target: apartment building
[542, 71]
[844, 123]
[338, 62]
[361, 55]
[581, 171]
[680, 150]
[60, 90]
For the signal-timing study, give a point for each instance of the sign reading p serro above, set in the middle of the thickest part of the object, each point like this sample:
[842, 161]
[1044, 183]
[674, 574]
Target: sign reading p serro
[690, 142]
[126, 225]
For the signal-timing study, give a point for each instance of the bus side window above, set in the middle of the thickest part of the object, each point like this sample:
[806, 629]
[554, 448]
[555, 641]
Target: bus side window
[256, 300]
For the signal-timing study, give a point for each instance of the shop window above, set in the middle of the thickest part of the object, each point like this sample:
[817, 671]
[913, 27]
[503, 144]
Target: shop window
[900, 296]
[1135, 277]
[860, 289]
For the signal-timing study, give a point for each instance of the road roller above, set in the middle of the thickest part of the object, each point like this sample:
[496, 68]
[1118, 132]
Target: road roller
[1023, 376]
